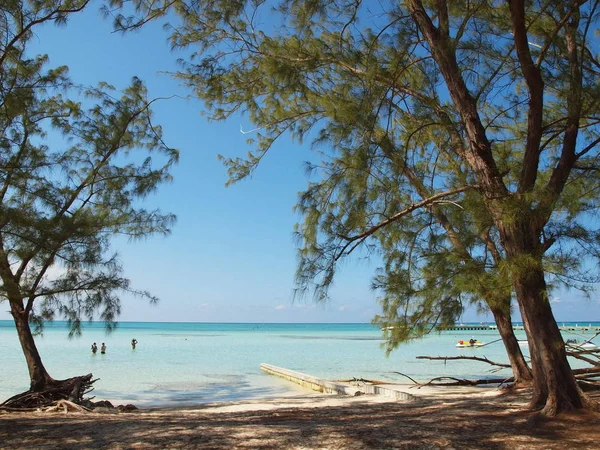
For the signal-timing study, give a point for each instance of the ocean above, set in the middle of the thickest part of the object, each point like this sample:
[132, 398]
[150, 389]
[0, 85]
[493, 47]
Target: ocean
[188, 363]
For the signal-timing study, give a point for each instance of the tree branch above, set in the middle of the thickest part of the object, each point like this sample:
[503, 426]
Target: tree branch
[399, 215]
[480, 158]
[568, 157]
[535, 86]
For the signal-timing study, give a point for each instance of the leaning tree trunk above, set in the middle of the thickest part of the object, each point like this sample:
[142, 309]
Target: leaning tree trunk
[555, 387]
[521, 371]
[39, 377]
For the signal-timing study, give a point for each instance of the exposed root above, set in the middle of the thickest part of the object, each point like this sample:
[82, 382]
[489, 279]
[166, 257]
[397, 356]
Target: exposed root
[65, 406]
[71, 391]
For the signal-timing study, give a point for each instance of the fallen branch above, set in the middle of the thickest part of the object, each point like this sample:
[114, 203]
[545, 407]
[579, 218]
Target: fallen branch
[473, 358]
[465, 382]
[363, 380]
[579, 355]
[587, 376]
[588, 370]
[404, 375]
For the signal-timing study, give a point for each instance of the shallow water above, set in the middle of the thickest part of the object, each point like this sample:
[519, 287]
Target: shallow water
[208, 362]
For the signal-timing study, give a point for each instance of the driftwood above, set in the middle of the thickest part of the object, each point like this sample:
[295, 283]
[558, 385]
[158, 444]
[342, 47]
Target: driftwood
[586, 371]
[62, 394]
[473, 358]
[456, 381]
[585, 376]
[586, 355]
[357, 381]
[465, 382]
[578, 355]
[588, 376]
[65, 406]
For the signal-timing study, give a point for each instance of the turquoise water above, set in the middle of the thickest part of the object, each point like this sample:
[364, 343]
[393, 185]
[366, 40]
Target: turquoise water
[208, 362]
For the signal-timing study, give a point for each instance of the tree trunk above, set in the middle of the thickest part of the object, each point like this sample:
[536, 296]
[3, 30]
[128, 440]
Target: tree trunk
[555, 387]
[521, 372]
[39, 377]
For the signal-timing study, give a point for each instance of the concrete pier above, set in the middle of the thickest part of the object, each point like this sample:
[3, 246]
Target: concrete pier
[336, 387]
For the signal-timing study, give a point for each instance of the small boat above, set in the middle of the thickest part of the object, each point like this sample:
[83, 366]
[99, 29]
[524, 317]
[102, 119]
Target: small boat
[523, 342]
[472, 343]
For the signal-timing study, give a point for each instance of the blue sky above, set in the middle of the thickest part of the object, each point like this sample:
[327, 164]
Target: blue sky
[231, 256]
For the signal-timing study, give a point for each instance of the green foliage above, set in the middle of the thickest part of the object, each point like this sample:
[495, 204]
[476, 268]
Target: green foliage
[74, 164]
[430, 176]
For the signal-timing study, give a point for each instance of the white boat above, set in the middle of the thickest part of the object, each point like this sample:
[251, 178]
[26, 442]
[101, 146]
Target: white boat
[523, 342]
[476, 343]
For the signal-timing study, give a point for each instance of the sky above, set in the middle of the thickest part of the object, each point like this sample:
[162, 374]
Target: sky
[231, 255]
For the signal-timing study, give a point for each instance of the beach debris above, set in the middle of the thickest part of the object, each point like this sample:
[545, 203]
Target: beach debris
[64, 406]
[73, 390]
[457, 381]
[127, 408]
[102, 404]
[361, 381]
[588, 378]
[473, 358]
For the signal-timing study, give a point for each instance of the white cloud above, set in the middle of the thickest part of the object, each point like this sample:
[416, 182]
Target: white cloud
[555, 300]
[280, 307]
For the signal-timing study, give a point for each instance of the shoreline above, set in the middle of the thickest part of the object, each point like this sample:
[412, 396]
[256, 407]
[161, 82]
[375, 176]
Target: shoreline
[304, 395]
[442, 418]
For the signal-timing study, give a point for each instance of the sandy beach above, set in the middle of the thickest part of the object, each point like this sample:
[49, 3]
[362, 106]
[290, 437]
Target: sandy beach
[458, 418]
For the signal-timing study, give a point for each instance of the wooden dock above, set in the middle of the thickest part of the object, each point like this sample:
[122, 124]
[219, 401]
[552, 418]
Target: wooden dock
[336, 387]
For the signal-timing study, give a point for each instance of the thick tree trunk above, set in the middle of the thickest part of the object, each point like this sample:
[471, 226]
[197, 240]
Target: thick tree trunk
[521, 372]
[555, 387]
[39, 377]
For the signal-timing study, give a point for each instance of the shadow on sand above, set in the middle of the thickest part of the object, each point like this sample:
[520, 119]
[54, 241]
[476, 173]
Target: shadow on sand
[459, 423]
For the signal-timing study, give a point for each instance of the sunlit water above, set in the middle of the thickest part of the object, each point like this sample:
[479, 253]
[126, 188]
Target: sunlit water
[208, 362]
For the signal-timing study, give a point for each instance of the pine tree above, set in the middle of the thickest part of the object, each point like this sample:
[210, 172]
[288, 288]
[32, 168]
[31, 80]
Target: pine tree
[507, 93]
[74, 164]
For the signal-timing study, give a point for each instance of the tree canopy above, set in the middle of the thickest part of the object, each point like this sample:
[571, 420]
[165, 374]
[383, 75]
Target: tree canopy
[75, 163]
[459, 139]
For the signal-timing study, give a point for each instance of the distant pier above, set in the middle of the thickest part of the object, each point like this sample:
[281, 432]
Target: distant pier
[563, 327]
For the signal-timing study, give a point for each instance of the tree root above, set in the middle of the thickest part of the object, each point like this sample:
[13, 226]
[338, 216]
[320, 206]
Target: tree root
[58, 393]
[65, 406]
